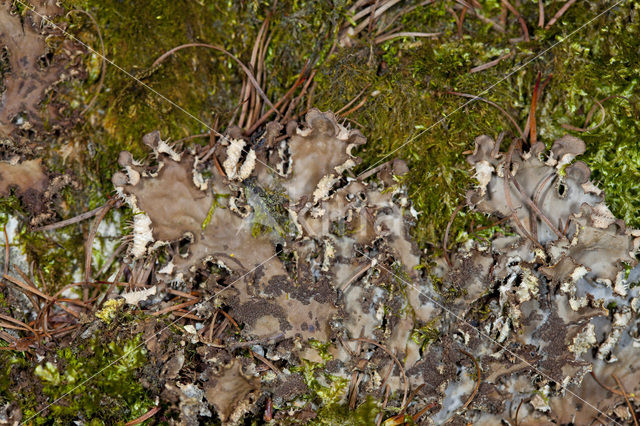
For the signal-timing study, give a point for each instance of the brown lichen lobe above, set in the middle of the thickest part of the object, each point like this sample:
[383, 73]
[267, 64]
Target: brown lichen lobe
[232, 392]
[31, 73]
[348, 268]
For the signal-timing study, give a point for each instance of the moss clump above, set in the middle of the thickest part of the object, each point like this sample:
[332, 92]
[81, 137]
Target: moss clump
[411, 112]
[95, 382]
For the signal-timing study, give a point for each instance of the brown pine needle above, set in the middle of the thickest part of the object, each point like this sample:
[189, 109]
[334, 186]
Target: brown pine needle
[174, 307]
[266, 362]
[613, 391]
[244, 68]
[626, 398]
[145, 416]
[533, 137]
[27, 287]
[475, 390]
[523, 24]
[493, 104]
[71, 221]
[395, 359]
[559, 14]
[387, 37]
[446, 234]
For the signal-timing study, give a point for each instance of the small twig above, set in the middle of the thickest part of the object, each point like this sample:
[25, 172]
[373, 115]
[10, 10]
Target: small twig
[378, 12]
[613, 391]
[174, 307]
[420, 413]
[145, 416]
[89, 246]
[352, 101]
[373, 171]
[6, 251]
[536, 200]
[355, 277]
[286, 96]
[473, 8]
[475, 389]
[515, 420]
[230, 319]
[541, 13]
[387, 37]
[532, 205]
[20, 324]
[479, 98]
[626, 398]
[294, 103]
[244, 68]
[27, 287]
[73, 220]
[537, 96]
[411, 396]
[446, 234]
[586, 128]
[266, 340]
[372, 15]
[266, 362]
[461, 20]
[395, 359]
[490, 64]
[507, 195]
[533, 137]
[559, 14]
[523, 24]
[188, 138]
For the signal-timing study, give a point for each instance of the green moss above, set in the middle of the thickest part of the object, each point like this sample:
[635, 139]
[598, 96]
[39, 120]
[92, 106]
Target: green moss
[96, 382]
[423, 336]
[414, 116]
[336, 414]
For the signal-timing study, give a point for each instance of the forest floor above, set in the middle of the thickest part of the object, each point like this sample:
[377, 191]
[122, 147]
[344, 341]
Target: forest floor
[83, 80]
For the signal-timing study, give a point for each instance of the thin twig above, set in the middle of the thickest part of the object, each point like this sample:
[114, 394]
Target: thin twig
[266, 362]
[613, 391]
[395, 359]
[355, 277]
[525, 197]
[174, 307]
[387, 37]
[6, 251]
[446, 234]
[490, 64]
[523, 24]
[515, 421]
[286, 96]
[559, 14]
[27, 287]
[479, 98]
[89, 246]
[541, 13]
[507, 195]
[71, 221]
[533, 138]
[246, 70]
[474, 9]
[626, 398]
[145, 416]
[475, 389]
[352, 101]
[586, 128]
